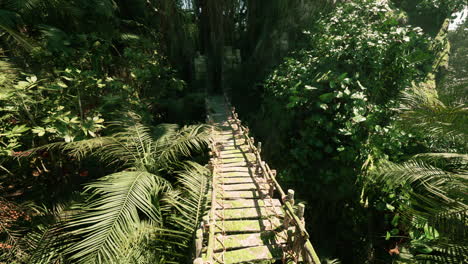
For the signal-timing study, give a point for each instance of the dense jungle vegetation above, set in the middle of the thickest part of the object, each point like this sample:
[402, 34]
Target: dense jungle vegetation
[361, 107]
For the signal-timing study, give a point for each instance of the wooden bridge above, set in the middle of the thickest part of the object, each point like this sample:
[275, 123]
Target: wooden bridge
[251, 218]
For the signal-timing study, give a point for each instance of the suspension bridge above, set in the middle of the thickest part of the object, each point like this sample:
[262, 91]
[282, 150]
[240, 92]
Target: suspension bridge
[251, 218]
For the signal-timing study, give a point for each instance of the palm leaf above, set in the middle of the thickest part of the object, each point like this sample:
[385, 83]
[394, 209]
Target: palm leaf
[429, 116]
[180, 142]
[137, 247]
[8, 22]
[185, 208]
[192, 199]
[436, 197]
[112, 213]
[44, 245]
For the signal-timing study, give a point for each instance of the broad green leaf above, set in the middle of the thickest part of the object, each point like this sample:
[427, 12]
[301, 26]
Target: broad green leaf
[327, 97]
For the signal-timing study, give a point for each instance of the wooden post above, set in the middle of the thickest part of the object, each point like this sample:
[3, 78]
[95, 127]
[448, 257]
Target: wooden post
[259, 147]
[272, 182]
[206, 223]
[298, 244]
[273, 173]
[300, 211]
[263, 172]
[271, 190]
[199, 241]
[290, 197]
[286, 220]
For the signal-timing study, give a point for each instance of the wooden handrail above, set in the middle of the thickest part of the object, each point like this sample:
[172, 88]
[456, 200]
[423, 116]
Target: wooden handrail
[211, 218]
[309, 254]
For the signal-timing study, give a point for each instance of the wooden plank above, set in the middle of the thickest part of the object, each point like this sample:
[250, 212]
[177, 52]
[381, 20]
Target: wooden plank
[231, 151]
[241, 155]
[253, 194]
[234, 164]
[235, 173]
[225, 133]
[228, 161]
[230, 137]
[234, 159]
[249, 213]
[249, 203]
[235, 169]
[249, 226]
[233, 143]
[236, 180]
[252, 254]
[250, 240]
[244, 187]
[243, 148]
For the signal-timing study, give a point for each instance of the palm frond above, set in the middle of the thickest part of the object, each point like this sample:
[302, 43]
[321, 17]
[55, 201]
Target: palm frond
[447, 161]
[429, 116]
[8, 22]
[192, 199]
[112, 213]
[44, 244]
[34, 9]
[445, 253]
[180, 142]
[137, 247]
[184, 209]
[420, 176]
[435, 196]
[452, 222]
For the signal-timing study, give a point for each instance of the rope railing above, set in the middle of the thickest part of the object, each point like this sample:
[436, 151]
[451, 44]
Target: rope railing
[300, 244]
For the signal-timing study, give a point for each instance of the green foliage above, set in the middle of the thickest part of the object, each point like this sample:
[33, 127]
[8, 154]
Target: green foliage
[446, 7]
[121, 207]
[119, 201]
[72, 72]
[431, 206]
[444, 125]
[338, 93]
[336, 108]
[109, 220]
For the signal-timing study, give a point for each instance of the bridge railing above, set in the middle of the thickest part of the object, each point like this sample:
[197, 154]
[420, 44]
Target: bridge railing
[300, 240]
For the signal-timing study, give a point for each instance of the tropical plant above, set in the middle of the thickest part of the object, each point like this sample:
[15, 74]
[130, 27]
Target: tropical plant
[428, 193]
[444, 124]
[333, 106]
[431, 206]
[118, 202]
[126, 213]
